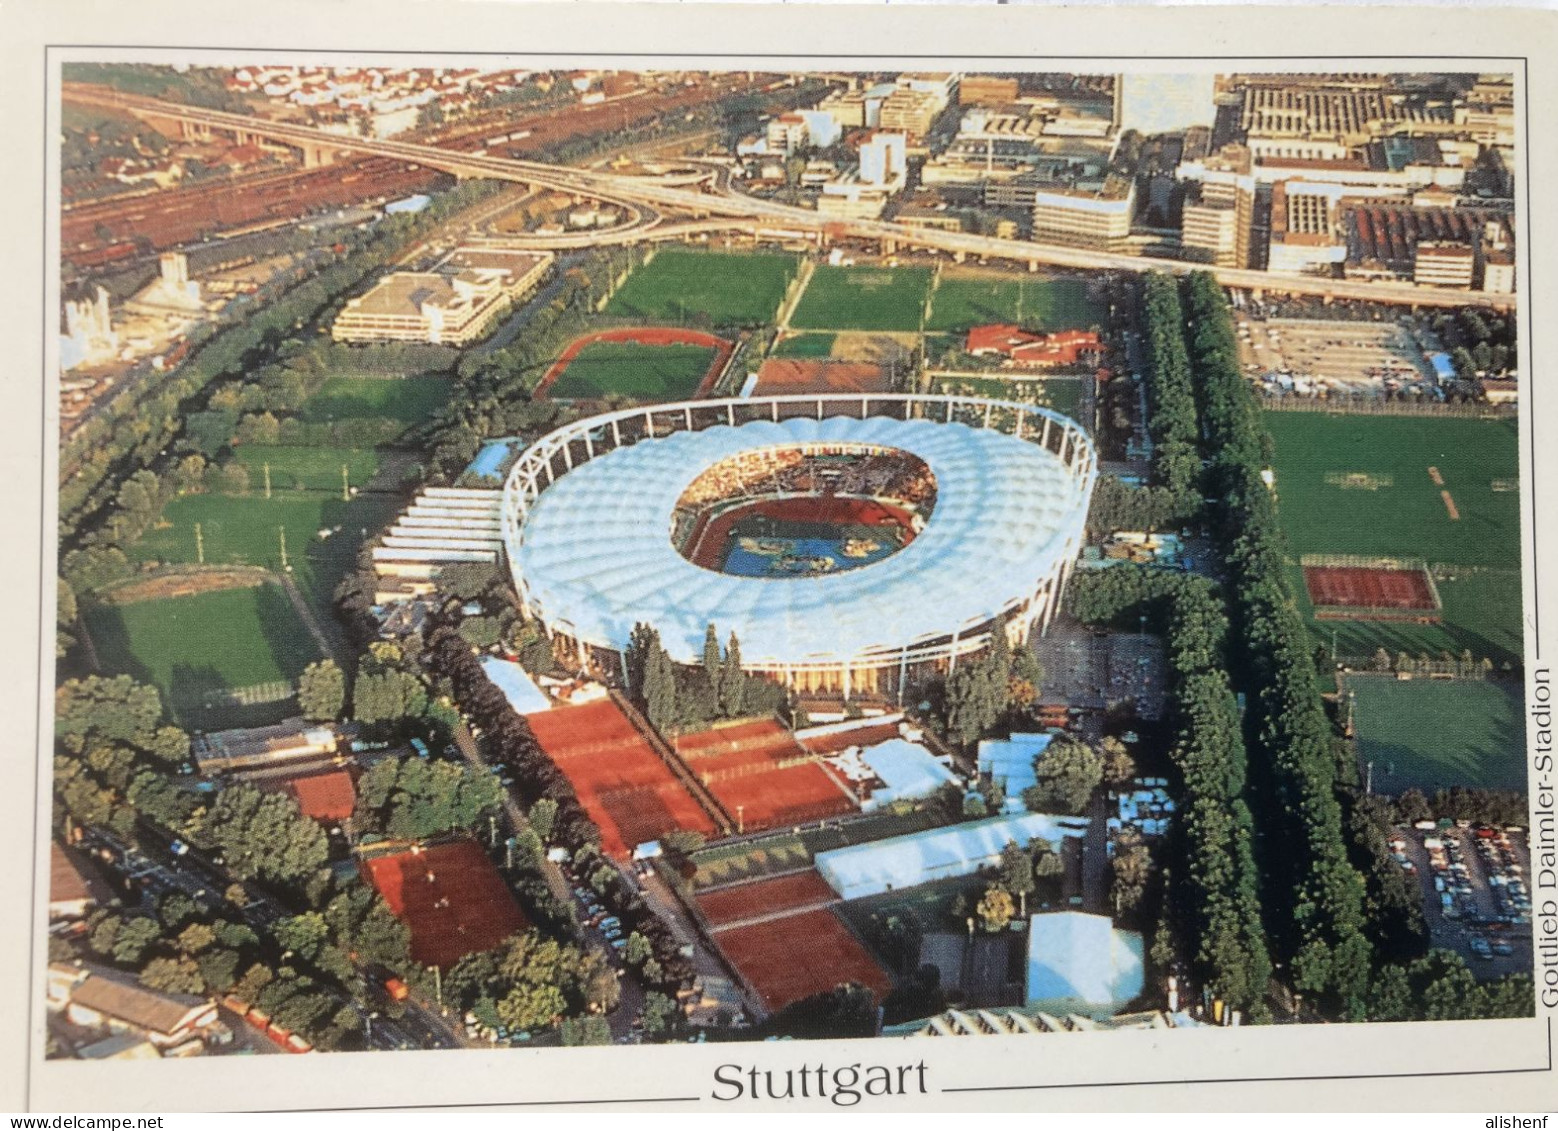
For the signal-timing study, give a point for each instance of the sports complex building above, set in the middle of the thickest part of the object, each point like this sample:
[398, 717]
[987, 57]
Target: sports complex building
[847, 540]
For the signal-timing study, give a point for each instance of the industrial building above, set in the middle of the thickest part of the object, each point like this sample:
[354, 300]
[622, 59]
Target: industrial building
[454, 305]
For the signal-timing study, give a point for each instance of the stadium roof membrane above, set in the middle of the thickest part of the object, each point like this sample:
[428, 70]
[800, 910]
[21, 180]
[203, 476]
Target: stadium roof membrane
[596, 555]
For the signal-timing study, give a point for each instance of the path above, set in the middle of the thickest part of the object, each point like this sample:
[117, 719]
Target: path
[781, 913]
[305, 613]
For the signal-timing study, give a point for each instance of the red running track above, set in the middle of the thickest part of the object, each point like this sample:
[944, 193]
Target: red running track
[645, 336]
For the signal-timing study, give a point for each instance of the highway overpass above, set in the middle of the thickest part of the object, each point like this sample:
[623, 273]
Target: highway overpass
[745, 213]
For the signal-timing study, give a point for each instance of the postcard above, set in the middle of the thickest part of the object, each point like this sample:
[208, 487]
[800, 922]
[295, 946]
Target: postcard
[802, 559]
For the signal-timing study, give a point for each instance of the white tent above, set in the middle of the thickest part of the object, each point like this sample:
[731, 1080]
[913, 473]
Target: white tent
[1080, 962]
[517, 686]
[936, 854]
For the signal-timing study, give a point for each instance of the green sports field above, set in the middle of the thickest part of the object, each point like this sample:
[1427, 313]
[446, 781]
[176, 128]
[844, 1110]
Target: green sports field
[733, 290]
[409, 400]
[245, 530]
[863, 298]
[663, 373]
[1433, 734]
[294, 468]
[962, 301]
[1354, 484]
[805, 346]
[193, 647]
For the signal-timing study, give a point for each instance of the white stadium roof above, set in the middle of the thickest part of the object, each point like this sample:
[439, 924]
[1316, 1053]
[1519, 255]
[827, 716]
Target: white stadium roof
[595, 553]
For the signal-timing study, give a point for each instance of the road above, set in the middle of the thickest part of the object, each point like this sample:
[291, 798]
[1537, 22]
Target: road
[159, 870]
[631, 1003]
[752, 214]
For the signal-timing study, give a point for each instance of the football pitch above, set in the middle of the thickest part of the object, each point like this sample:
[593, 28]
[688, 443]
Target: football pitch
[1433, 734]
[643, 372]
[298, 468]
[1049, 305]
[732, 290]
[1439, 489]
[863, 298]
[247, 530]
[409, 400]
[193, 648]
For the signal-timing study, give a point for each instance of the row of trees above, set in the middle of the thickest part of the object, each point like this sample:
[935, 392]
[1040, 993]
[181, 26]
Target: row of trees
[1171, 398]
[508, 741]
[115, 761]
[675, 696]
[137, 428]
[1212, 913]
[983, 692]
[1317, 896]
[412, 799]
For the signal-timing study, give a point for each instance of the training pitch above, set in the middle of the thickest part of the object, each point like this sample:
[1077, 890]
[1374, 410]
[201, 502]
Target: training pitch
[963, 301]
[1434, 734]
[863, 298]
[1433, 489]
[408, 400]
[194, 648]
[732, 290]
[632, 369]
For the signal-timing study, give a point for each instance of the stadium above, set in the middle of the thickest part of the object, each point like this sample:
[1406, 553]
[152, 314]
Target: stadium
[847, 541]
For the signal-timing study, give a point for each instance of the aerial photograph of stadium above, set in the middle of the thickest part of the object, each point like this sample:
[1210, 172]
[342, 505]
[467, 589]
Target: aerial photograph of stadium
[594, 557]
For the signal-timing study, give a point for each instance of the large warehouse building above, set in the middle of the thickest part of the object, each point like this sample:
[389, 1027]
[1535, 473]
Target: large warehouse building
[846, 541]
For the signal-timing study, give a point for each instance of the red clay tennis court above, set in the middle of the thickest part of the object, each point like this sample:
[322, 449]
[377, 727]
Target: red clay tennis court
[621, 782]
[741, 902]
[758, 771]
[450, 896]
[1362, 589]
[782, 959]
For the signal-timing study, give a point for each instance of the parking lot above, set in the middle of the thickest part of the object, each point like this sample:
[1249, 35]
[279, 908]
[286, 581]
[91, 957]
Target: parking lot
[1097, 672]
[1362, 356]
[1472, 882]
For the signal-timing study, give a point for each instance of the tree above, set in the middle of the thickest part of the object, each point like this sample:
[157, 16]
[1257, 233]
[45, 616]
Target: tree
[174, 976]
[263, 835]
[1017, 874]
[1132, 868]
[543, 817]
[590, 1030]
[1068, 773]
[660, 1014]
[995, 909]
[322, 691]
[733, 681]
[1119, 766]
[636, 950]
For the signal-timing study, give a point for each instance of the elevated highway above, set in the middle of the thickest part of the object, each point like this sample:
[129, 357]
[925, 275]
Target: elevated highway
[320, 147]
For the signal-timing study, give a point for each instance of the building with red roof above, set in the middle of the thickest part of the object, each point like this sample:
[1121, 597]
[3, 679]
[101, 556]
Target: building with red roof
[1020, 347]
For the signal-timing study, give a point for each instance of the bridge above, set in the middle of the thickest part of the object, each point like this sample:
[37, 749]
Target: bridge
[735, 211]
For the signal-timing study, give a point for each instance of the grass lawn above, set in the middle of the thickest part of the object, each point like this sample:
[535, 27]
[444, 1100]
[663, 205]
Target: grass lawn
[643, 372]
[245, 530]
[191, 647]
[806, 346]
[733, 290]
[1435, 733]
[1404, 515]
[962, 301]
[295, 468]
[863, 298]
[410, 400]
